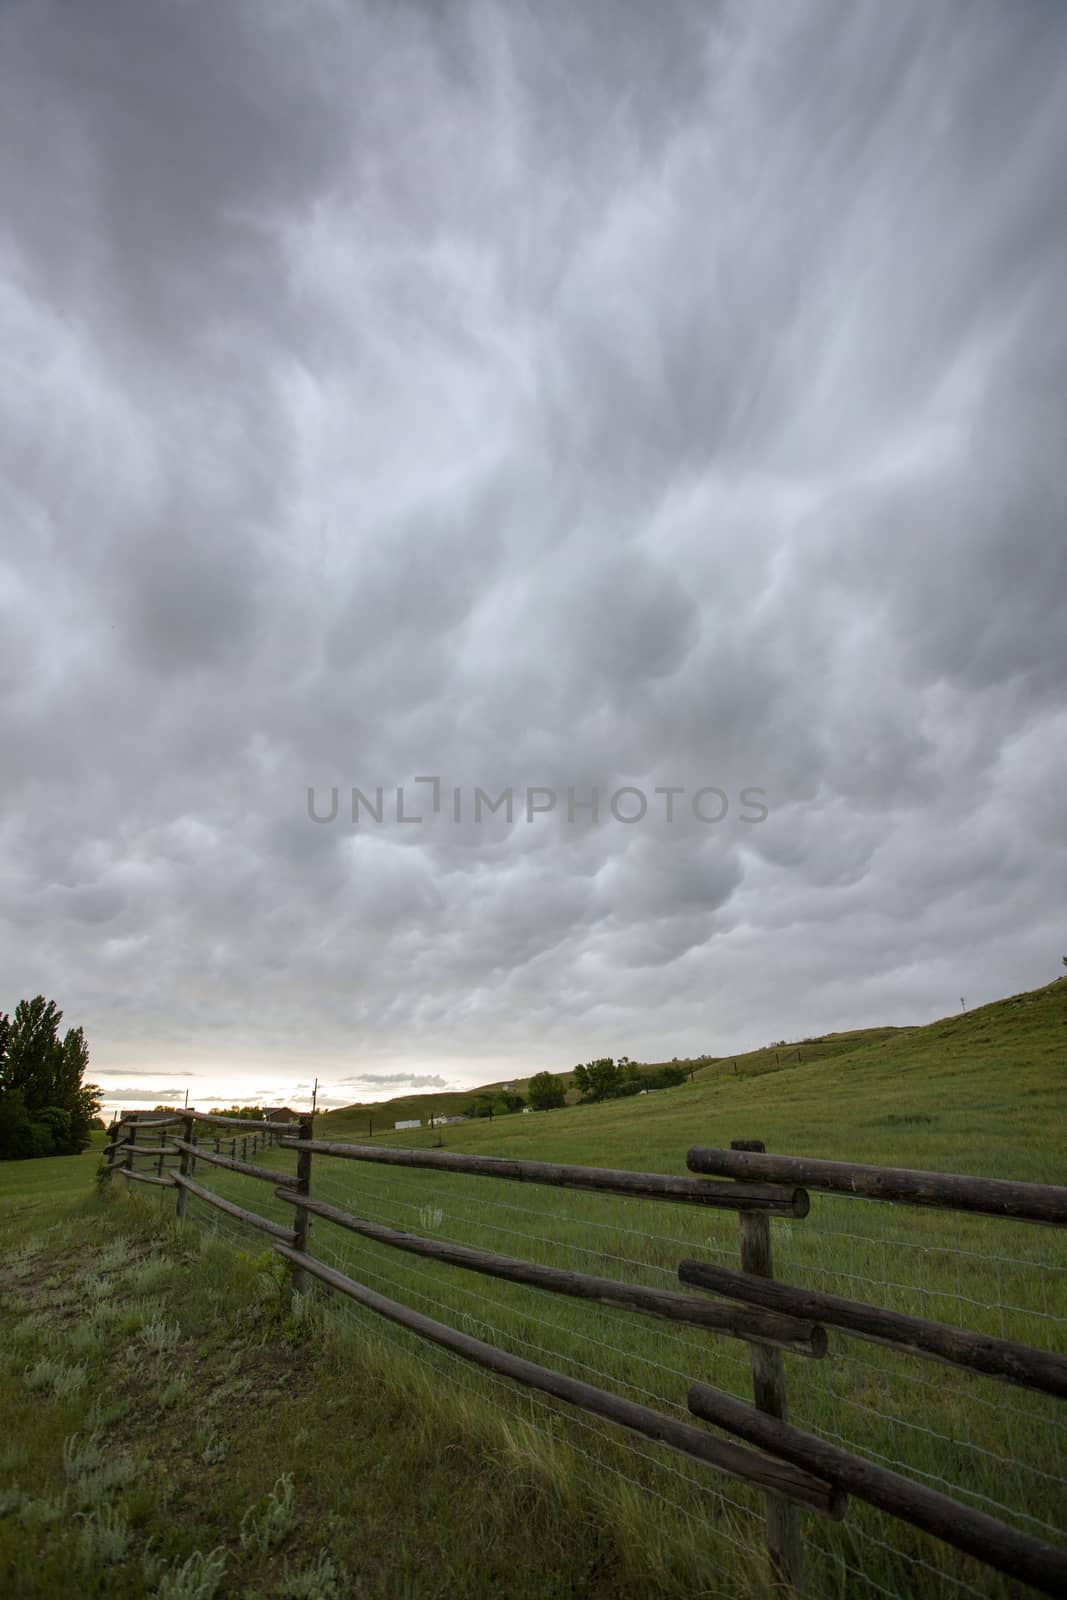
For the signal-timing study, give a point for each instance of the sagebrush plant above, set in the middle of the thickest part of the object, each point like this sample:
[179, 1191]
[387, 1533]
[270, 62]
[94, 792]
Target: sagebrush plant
[321, 1580]
[83, 1453]
[104, 1537]
[146, 1277]
[266, 1526]
[113, 1257]
[198, 1578]
[61, 1379]
[89, 1335]
[105, 1409]
[175, 1390]
[43, 1512]
[159, 1335]
[93, 1488]
[209, 1442]
[29, 1328]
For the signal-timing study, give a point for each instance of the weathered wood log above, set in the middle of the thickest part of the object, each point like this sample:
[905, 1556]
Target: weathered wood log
[253, 1219]
[998, 1545]
[994, 1197]
[770, 1198]
[149, 1122]
[146, 1177]
[800, 1338]
[239, 1122]
[682, 1436]
[979, 1352]
[153, 1150]
[184, 1146]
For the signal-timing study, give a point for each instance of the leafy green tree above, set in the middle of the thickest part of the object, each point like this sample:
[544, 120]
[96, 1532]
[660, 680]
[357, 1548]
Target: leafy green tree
[546, 1091]
[46, 1107]
[597, 1080]
[667, 1077]
[481, 1106]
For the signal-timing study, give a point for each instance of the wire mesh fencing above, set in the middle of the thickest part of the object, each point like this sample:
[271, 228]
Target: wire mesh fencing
[999, 1448]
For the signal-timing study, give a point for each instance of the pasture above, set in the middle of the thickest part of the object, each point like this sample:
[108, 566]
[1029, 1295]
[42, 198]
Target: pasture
[515, 1494]
[977, 1093]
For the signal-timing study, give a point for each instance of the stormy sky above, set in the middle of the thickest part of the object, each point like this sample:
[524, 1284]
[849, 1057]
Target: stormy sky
[553, 399]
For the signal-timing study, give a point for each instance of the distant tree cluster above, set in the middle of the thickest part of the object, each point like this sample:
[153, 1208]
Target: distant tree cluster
[247, 1113]
[499, 1103]
[606, 1079]
[546, 1091]
[46, 1107]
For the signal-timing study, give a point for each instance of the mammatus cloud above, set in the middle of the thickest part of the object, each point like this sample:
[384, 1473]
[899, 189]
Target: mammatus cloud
[650, 399]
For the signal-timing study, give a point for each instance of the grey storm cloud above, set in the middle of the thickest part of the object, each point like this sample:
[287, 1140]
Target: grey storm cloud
[148, 1096]
[589, 397]
[140, 1072]
[381, 1080]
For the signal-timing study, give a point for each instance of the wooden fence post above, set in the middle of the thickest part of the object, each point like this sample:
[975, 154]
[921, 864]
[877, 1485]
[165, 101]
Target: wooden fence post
[768, 1391]
[162, 1143]
[184, 1165]
[128, 1161]
[303, 1186]
[112, 1134]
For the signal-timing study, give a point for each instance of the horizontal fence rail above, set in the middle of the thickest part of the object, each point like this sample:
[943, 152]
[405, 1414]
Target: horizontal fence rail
[252, 1218]
[804, 1488]
[997, 1358]
[231, 1163]
[798, 1336]
[774, 1199]
[147, 1177]
[153, 1122]
[248, 1123]
[993, 1542]
[991, 1197]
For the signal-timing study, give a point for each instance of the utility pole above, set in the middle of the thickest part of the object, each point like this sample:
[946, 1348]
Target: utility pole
[186, 1100]
[963, 1003]
[314, 1096]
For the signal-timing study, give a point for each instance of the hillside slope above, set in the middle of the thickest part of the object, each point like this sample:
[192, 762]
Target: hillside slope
[982, 1092]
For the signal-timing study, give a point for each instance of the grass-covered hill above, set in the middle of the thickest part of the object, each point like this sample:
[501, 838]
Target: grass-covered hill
[982, 1092]
[174, 1430]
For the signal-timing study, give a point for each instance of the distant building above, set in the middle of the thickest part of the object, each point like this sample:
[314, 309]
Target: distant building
[280, 1114]
[526, 1110]
[400, 1125]
[440, 1120]
[507, 1088]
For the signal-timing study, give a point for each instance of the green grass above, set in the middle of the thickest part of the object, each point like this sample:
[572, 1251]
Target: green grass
[413, 1473]
[227, 1440]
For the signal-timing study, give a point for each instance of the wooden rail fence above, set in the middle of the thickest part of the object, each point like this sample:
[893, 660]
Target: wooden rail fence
[793, 1469]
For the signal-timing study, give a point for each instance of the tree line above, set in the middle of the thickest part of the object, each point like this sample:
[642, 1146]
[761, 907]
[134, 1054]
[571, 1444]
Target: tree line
[46, 1107]
[603, 1079]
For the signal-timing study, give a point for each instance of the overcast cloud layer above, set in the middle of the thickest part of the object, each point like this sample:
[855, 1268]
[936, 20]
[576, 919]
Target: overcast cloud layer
[594, 396]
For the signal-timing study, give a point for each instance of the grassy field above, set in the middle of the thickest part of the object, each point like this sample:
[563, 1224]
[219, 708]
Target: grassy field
[514, 1496]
